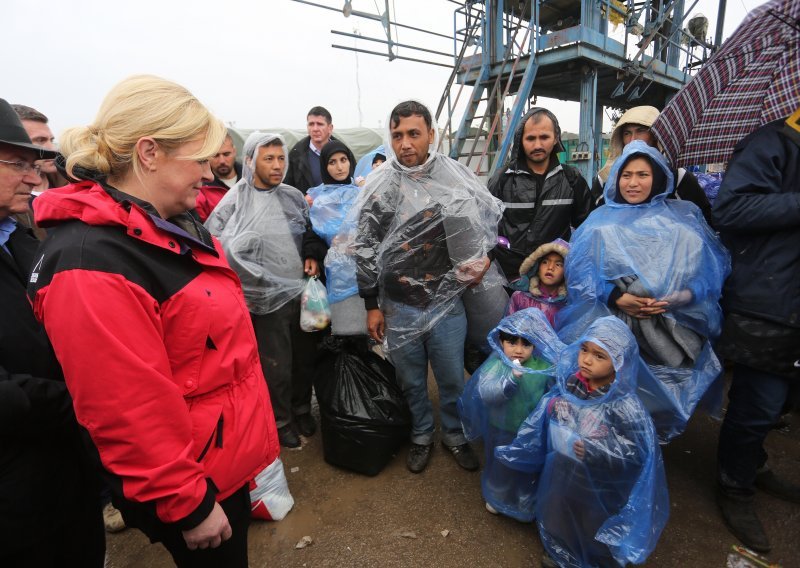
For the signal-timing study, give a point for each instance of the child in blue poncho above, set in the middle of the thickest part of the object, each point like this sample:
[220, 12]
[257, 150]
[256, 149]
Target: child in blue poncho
[601, 496]
[500, 395]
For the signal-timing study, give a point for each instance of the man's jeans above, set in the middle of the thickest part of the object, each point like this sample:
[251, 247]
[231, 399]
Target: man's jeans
[443, 346]
[756, 399]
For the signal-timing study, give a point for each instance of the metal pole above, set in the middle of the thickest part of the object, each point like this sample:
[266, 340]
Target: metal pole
[720, 24]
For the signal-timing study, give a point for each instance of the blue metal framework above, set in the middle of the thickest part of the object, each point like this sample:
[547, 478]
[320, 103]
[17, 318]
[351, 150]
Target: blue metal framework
[562, 49]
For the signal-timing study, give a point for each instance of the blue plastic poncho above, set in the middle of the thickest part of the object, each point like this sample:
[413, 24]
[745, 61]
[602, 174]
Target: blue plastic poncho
[364, 165]
[424, 233]
[611, 505]
[499, 397]
[328, 214]
[661, 249]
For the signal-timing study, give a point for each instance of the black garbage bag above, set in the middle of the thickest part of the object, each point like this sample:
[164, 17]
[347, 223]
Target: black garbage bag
[365, 417]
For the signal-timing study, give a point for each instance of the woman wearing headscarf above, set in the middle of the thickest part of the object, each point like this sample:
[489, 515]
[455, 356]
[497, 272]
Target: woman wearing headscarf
[657, 265]
[150, 324]
[635, 125]
[331, 203]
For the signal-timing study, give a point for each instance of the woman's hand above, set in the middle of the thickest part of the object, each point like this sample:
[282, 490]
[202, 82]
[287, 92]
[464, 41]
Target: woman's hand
[679, 298]
[640, 308]
[309, 200]
[212, 532]
[311, 267]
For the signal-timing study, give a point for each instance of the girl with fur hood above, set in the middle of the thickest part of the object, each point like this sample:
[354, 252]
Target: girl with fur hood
[542, 282]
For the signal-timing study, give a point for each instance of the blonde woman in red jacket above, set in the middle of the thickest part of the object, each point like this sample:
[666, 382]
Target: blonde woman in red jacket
[150, 326]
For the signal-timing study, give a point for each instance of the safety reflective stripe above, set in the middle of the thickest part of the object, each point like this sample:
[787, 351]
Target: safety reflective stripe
[519, 205]
[557, 202]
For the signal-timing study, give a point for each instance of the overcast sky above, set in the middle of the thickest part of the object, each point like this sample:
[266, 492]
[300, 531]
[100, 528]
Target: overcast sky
[256, 63]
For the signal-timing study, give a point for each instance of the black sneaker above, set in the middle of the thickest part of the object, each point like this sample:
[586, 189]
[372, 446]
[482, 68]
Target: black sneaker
[770, 483]
[288, 437]
[741, 519]
[306, 424]
[418, 457]
[464, 456]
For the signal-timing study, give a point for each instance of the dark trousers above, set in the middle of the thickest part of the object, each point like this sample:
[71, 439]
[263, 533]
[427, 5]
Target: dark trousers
[287, 355]
[756, 399]
[231, 554]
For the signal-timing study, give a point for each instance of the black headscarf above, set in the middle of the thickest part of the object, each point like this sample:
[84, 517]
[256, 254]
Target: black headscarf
[325, 154]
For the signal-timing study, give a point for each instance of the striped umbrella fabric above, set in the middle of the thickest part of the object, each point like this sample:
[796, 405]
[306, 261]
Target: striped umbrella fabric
[753, 79]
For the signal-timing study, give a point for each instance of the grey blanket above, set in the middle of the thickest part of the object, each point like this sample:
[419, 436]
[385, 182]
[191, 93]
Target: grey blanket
[662, 340]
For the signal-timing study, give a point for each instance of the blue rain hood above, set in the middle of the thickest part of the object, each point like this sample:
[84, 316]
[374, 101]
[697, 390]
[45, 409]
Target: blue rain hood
[663, 179]
[531, 324]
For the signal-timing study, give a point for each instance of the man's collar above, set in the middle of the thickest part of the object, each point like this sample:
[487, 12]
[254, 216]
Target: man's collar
[313, 148]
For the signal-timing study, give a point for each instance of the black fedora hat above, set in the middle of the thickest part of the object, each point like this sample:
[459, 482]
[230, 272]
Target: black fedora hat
[13, 133]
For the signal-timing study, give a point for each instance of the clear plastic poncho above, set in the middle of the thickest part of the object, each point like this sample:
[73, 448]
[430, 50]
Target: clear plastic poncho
[424, 233]
[261, 232]
[611, 505]
[661, 249]
[499, 397]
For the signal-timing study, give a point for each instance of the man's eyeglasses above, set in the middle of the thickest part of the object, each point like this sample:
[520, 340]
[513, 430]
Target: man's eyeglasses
[24, 168]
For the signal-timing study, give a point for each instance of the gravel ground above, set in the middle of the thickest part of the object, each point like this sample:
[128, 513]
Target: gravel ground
[398, 519]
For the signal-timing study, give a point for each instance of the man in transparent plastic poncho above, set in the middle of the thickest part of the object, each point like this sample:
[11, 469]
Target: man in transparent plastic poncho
[602, 493]
[425, 227]
[266, 234]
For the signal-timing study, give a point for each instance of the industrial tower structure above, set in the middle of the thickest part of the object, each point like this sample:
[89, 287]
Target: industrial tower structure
[523, 49]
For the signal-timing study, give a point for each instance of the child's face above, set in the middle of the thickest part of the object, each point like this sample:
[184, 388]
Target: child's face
[551, 270]
[595, 364]
[518, 348]
[377, 162]
[339, 166]
[636, 181]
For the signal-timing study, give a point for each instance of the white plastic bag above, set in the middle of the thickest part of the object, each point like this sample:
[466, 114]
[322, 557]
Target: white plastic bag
[270, 499]
[315, 312]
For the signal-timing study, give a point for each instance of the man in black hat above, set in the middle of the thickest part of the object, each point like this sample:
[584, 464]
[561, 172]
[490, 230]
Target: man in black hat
[543, 197]
[49, 507]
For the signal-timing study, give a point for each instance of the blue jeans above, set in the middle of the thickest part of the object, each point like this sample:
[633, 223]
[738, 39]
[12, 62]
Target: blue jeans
[443, 346]
[756, 399]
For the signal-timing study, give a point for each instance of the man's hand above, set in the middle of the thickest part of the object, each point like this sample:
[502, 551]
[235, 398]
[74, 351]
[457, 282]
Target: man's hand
[472, 271]
[579, 449]
[311, 267]
[640, 308]
[375, 324]
[212, 532]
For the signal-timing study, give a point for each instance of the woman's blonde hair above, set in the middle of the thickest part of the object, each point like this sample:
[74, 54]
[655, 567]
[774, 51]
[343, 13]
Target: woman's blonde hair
[141, 106]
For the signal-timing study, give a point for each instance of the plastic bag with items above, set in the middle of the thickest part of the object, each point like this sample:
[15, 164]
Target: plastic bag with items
[661, 249]
[261, 232]
[270, 499]
[315, 313]
[364, 415]
[423, 236]
[602, 493]
[499, 397]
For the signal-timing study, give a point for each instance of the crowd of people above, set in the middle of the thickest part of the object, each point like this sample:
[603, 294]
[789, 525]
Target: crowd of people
[153, 308]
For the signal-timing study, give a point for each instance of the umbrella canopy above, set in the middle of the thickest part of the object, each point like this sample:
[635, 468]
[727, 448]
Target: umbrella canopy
[753, 79]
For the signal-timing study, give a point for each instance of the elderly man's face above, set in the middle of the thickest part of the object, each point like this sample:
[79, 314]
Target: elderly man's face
[41, 135]
[16, 186]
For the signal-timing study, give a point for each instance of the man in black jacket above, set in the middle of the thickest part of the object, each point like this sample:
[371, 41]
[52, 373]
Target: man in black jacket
[758, 215]
[49, 509]
[543, 198]
[304, 169]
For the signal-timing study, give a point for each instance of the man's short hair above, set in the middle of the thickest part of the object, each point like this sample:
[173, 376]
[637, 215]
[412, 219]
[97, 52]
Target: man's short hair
[28, 113]
[410, 108]
[320, 111]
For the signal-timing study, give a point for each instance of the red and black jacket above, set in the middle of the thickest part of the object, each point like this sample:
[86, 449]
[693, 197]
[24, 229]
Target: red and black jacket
[150, 326]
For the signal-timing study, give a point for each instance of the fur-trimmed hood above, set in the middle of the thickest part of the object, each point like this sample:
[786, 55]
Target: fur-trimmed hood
[530, 267]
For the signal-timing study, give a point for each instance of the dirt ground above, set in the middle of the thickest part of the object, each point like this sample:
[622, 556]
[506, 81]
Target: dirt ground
[398, 519]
